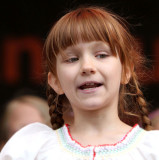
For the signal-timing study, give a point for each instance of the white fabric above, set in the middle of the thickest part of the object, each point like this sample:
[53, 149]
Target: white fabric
[39, 142]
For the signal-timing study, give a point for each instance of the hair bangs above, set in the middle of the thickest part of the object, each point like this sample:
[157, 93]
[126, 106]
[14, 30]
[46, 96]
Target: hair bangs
[83, 25]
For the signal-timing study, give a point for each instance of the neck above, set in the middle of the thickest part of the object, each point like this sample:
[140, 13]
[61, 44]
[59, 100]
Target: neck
[103, 119]
[98, 127]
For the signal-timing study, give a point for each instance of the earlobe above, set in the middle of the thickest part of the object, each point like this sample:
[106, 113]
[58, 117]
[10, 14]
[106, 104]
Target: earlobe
[54, 83]
[126, 75]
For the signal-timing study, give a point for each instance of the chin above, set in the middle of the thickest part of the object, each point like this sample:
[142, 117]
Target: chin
[93, 107]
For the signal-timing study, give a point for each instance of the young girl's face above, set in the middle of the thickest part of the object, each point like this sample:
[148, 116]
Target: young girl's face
[89, 75]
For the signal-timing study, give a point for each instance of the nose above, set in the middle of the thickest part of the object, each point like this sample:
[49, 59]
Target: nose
[88, 67]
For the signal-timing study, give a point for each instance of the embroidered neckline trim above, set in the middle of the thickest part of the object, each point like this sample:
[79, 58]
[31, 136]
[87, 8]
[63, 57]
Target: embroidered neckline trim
[131, 138]
[102, 145]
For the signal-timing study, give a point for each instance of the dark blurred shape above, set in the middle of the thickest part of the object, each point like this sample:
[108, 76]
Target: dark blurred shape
[154, 116]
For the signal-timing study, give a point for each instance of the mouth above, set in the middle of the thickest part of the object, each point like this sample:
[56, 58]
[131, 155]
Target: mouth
[89, 85]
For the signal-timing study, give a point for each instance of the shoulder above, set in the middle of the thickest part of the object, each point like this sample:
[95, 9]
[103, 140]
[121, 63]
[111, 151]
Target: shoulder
[28, 141]
[151, 138]
[148, 144]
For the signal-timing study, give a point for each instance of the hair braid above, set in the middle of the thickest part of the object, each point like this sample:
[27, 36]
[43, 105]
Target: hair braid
[145, 121]
[55, 108]
[132, 105]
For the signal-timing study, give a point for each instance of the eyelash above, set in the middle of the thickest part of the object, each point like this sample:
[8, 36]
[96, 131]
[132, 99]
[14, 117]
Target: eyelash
[71, 60]
[101, 55]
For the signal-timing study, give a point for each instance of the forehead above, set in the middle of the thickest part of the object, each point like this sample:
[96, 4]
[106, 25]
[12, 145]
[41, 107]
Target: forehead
[90, 45]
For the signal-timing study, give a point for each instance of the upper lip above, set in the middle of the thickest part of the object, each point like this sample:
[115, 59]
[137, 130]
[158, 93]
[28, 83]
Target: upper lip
[89, 83]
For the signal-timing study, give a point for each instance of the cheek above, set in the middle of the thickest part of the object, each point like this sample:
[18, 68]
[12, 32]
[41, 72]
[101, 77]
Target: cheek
[65, 76]
[114, 73]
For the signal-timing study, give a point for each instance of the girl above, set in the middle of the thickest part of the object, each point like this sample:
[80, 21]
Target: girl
[92, 63]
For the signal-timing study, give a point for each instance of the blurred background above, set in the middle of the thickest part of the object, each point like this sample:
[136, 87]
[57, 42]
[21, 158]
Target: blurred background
[24, 26]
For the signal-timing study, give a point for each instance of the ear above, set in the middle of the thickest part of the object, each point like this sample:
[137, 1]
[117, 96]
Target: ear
[126, 75]
[54, 83]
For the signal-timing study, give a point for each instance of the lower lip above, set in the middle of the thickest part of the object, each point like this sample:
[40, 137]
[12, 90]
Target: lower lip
[90, 90]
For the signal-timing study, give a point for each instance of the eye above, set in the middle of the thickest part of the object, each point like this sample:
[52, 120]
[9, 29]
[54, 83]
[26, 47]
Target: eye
[101, 55]
[71, 60]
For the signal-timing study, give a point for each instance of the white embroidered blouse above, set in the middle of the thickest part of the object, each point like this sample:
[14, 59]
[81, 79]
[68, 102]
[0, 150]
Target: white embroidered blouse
[39, 142]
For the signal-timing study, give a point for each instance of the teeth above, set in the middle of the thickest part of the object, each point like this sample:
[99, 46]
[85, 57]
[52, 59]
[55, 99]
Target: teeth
[87, 88]
[89, 84]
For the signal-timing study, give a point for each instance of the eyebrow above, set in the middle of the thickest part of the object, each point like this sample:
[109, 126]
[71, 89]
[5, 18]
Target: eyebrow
[103, 44]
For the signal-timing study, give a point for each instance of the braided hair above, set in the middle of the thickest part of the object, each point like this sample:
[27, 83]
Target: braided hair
[56, 108]
[138, 112]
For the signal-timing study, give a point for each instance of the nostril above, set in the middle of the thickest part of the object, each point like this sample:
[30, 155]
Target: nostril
[88, 71]
[88, 67]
